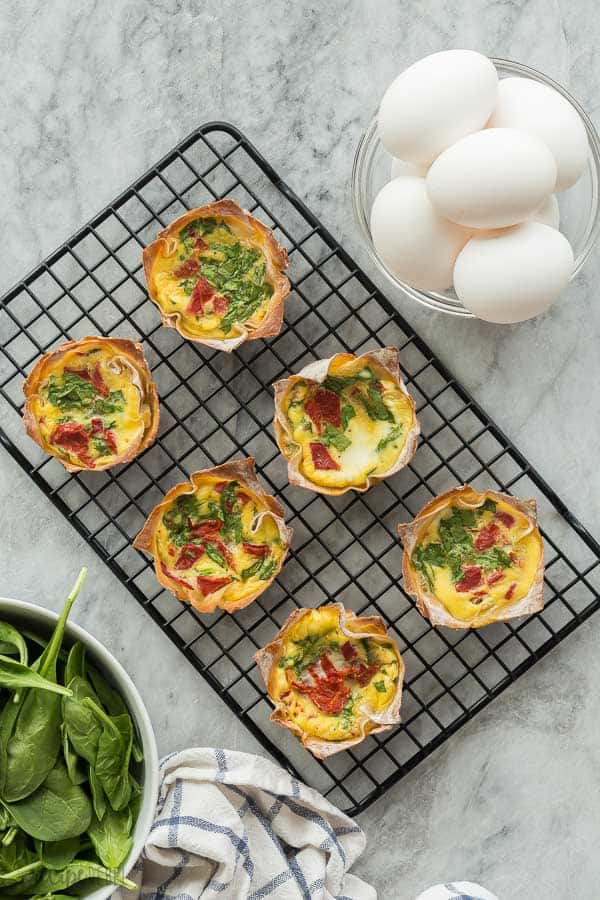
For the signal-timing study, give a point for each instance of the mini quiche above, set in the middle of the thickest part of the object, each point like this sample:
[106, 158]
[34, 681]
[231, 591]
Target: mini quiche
[92, 403]
[216, 274]
[346, 422]
[219, 540]
[334, 678]
[472, 558]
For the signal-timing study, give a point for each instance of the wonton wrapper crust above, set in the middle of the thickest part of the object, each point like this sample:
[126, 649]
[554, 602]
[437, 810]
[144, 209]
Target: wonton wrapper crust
[133, 354]
[428, 605]
[244, 472]
[248, 228]
[387, 361]
[267, 660]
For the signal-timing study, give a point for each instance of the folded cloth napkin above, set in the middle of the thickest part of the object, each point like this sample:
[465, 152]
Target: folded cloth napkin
[234, 826]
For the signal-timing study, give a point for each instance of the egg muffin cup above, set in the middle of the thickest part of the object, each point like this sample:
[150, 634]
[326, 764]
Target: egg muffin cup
[218, 540]
[495, 568]
[306, 670]
[92, 403]
[217, 276]
[347, 395]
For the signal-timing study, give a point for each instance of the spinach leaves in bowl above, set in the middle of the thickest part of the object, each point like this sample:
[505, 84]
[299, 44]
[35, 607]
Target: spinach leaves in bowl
[68, 796]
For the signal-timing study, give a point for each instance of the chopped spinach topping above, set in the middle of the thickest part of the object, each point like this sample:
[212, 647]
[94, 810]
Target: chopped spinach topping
[392, 436]
[70, 391]
[338, 383]
[333, 437]
[234, 270]
[456, 549]
[268, 567]
[379, 686]
[230, 513]
[176, 518]
[348, 412]
[374, 405]
[212, 553]
[252, 570]
[100, 446]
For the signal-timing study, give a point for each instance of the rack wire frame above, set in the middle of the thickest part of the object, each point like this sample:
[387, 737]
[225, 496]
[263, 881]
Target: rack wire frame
[215, 406]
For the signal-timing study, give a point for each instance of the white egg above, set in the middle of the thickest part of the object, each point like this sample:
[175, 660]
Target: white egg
[514, 274]
[436, 101]
[401, 167]
[548, 213]
[543, 112]
[417, 244]
[492, 179]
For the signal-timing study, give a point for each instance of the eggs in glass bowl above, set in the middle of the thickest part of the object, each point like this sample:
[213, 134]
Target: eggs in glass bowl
[489, 220]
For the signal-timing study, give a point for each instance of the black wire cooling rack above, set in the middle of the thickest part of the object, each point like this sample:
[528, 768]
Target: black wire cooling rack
[216, 406]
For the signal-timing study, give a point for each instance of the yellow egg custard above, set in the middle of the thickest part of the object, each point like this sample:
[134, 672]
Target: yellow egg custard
[92, 403]
[334, 678]
[472, 558]
[346, 422]
[218, 540]
[216, 274]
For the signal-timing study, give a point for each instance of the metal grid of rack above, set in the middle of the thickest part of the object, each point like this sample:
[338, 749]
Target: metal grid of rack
[215, 406]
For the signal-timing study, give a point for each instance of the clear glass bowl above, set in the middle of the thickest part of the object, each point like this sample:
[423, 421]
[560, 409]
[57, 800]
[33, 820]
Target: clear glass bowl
[579, 206]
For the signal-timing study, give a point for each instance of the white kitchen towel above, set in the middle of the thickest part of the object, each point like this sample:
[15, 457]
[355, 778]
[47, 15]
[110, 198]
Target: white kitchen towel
[232, 826]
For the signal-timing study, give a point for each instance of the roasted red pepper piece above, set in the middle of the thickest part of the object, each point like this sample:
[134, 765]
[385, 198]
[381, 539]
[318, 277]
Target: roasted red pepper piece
[189, 267]
[506, 519]
[470, 580]
[487, 537]
[324, 407]
[188, 555]
[202, 293]
[510, 592]
[206, 529]
[72, 436]
[256, 549]
[174, 578]
[321, 458]
[210, 585]
[495, 577]
[349, 651]
[220, 304]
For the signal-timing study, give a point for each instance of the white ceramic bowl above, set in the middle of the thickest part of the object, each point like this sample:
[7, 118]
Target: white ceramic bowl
[579, 206]
[42, 621]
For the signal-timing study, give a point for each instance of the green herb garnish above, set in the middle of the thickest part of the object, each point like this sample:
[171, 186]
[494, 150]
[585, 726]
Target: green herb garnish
[333, 437]
[379, 687]
[392, 436]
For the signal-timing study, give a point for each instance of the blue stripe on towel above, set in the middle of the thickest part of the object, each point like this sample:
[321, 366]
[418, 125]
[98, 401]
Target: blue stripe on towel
[266, 824]
[272, 885]
[240, 844]
[313, 817]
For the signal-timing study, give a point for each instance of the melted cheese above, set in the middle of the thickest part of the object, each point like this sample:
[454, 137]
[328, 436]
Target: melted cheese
[300, 708]
[364, 456]
[174, 299]
[130, 423]
[524, 543]
[258, 527]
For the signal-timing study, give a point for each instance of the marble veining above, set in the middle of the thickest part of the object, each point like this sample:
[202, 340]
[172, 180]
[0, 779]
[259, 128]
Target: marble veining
[93, 93]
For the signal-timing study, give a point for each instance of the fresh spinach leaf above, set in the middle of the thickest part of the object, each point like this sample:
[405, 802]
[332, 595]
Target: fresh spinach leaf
[75, 662]
[34, 743]
[113, 756]
[79, 870]
[14, 675]
[98, 795]
[348, 413]
[11, 638]
[57, 854]
[111, 837]
[55, 811]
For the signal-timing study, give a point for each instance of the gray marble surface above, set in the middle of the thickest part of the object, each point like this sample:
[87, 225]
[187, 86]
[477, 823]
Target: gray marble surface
[93, 93]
